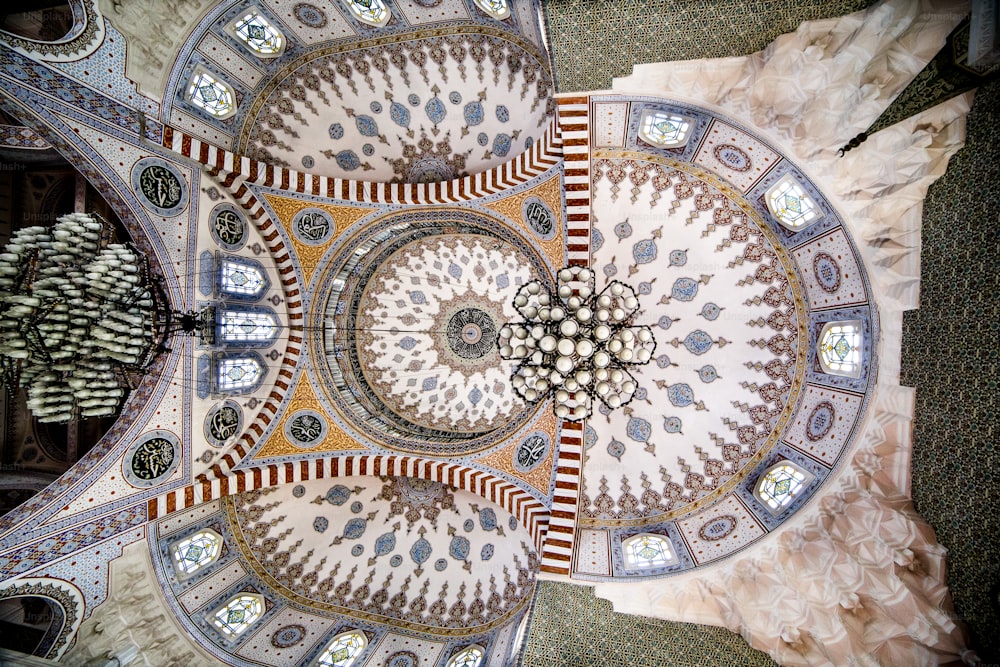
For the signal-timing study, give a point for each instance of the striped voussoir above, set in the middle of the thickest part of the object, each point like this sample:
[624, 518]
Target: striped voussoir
[573, 120]
[532, 514]
[557, 551]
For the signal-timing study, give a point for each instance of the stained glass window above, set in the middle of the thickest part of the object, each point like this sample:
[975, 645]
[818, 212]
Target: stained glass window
[239, 613]
[370, 11]
[470, 656]
[247, 326]
[647, 551]
[195, 552]
[665, 129]
[779, 485]
[497, 8]
[241, 278]
[840, 348]
[211, 94]
[790, 204]
[343, 650]
[260, 36]
[239, 373]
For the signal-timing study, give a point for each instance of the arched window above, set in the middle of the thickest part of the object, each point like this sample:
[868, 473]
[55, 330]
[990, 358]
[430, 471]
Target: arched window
[239, 613]
[372, 12]
[239, 374]
[515, 646]
[496, 8]
[664, 129]
[262, 38]
[840, 348]
[647, 550]
[197, 551]
[780, 484]
[470, 656]
[242, 278]
[791, 205]
[247, 326]
[343, 650]
[211, 94]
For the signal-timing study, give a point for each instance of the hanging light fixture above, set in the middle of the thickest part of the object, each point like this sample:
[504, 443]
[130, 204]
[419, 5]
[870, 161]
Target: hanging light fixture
[576, 345]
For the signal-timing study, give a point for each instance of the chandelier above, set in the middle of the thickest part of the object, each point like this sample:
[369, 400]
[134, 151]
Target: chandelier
[576, 345]
[76, 312]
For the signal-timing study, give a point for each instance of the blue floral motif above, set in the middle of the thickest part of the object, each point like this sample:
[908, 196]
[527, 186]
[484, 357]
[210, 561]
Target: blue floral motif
[320, 524]
[710, 311]
[338, 495]
[623, 230]
[512, 523]
[413, 99]
[596, 240]
[469, 525]
[376, 107]
[459, 548]
[487, 519]
[503, 281]
[638, 429]
[680, 394]
[684, 289]
[357, 549]
[367, 126]
[610, 270]
[487, 552]
[454, 270]
[475, 396]
[529, 142]
[429, 384]
[420, 551]
[368, 150]
[396, 560]
[473, 113]
[435, 110]
[501, 144]
[417, 297]
[589, 437]
[678, 257]
[455, 97]
[385, 543]
[407, 343]
[672, 424]
[440, 564]
[356, 506]
[698, 342]
[336, 131]
[644, 251]
[503, 114]
[616, 449]
[308, 162]
[348, 160]
[665, 322]
[355, 528]
[482, 139]
[663, 361]
[640, 394]
[399, 114]
[645, 288]
[708, 373]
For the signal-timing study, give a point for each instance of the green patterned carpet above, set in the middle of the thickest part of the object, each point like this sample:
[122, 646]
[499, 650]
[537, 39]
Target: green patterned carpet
[571, 627]
[951, 344]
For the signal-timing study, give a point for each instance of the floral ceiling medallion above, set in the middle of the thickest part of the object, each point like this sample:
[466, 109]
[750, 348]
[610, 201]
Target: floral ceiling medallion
[576, 345]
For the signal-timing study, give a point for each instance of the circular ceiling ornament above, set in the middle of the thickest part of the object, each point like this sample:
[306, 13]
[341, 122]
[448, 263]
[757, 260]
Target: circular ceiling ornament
[306, 428]
[531, 452]
[228, 227]
[310, 15]
[539, 218]
[161, 187]
[223, 423]
[152, 458]
[313, 226]
[407, 328]
[288, 636]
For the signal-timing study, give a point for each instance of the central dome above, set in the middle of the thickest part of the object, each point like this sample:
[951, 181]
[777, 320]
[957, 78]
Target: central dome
[413, 303]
